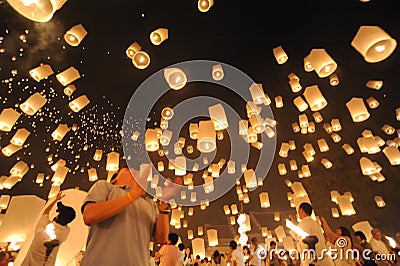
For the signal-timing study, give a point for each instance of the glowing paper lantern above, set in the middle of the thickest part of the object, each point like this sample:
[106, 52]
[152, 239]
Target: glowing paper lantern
[10, 149]
[314, 98]
[326, 163]
[295, 127]
[59, 175]
[59, 133]
[357, 109]
[166, 137]
[280, 55]
[303, 121]
[323, 146]
[39, 178]
[92, 173]
[397, 111]
[373, 43]
[264, 200]
[198, 247]
[280, 232]
[374, 84]
[278, 101]
[8, 117]
[295, 85]
[372, 102]
[336, 137]
[306, 170]
[333, 80]
[317, 117]
[367, 166]
[39, 11]
[41, 72]
[33, 104]
[217, 72]
[250, 178]
[322, 63]
[282, 169]
[69, 89]
[158, 36]
[392, 154]
[345, 205]
[307, 64]
[257, 124]
[133, 49]
[212, 235]
[4, 200]
[68, 76]
[284, 150]
[151, 140]
[388, 129]
[190, 234]
[335, 212]
[112, 161]
[218, 117]
[175, 78]
[205, 5]
[97, 155]
[257, 93]
[141, 60]
[365, 227]
[75, 35]
[234, 209]
[79, 103]
[269, 132]
[336, 126]
[379, 201]
[206, 141]
[9, 182]
[300, 104]
[180, 166]
[293, 165]
[167, 113]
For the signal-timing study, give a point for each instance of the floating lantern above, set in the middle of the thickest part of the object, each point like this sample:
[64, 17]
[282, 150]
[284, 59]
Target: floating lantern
[180, 166]
[68, 76]
[198, 246]
[278, 101]
[309, 158]
[218, 117]
[311, 127]
[306, 170]
[293, 76]
[75, 35]
[309, 149]
[59, 133]
[97, 155]
[160, 166]
[8, 117]
[322, 63]
[257, 93]
[397, 111]
[193, 130]
[166, 138]
[373, 43]
[232, 220]
[367, 166]
[346, 208]
[295, 85]
[79, 103]
[326, 163]
[227, 211]
[314, 98]
[112, 161]
[374, 84]
[231, 167]
[277, 217]
[284, 150]
[335, 212]
[141, 60]
[288, 182]
[59, 175]
[307, 64]
[33, 104]
[333, 80]
[379, 201]
[167, 113]
[300, 104]
[10, 182]
[250, 178]
[133, 49]
[10, 149]
[392, 154]
[264, 200]
[323, 146]
[317, 117]
[269, 132]
[206, 141]
[195, 167]
[292, 145]
[92, 173]
[4, 200]
[39, 178]
[151, 140]
[280, 55]
[388, 129]
[293, 165]
[372, 102]
[357, 109]
[234, 209]
[205, 5]
[69, 90]
[190, 234]
[200, 230]
[193, 196]
[252, 109]
[158, 36]
[295, 127]
[336, 137]
[257, 124]
[336, 126]
[41, 72]
[175, 78]
[217, 72]
[212, 235]
[39, 11]
[282, 169]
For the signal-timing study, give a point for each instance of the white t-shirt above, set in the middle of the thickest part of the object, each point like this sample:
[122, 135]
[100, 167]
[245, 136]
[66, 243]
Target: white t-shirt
[255, 260]
[37, 251]
[378, 246]
[237, 256]
[169, 255]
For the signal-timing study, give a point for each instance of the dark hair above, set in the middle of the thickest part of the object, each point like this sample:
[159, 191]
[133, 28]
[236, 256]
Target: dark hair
[66, 214]
[306, 207]
[173, 237]
[216, 253]
[346, 232]
[272, 243]
[360, 235]
[233, 244]
[181, 246]
[197, 257]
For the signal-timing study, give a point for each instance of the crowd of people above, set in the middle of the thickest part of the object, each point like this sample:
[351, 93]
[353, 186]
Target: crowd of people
[123, 221]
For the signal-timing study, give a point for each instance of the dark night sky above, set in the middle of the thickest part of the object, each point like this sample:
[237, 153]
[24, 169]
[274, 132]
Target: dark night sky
[239, 33]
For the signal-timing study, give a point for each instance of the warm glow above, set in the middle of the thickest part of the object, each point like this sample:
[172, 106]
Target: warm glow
[380, 48]
[296, 229]
[50, 231]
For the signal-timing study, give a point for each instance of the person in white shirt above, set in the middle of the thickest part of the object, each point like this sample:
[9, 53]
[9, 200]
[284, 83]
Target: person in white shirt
[379, 247]
[49, 235]
[181, 258]
[254, 259]
[169, 253]
[235, 256]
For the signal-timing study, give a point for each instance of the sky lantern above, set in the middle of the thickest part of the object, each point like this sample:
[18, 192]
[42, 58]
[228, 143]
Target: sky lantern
[8, 117]
[280, 55]
[198, 248]
[284, 150]
[59, 133]
[388, 129]
[295, 85]
[250, 178]
[41, 72]
[322, 62]
[372, 102]
[300, 104]
[167, 113]
[392, 154]
[141, 60]
[180, 166]
[10, 149]
[307, 64]
[39, 178]
[112, 161]
[59, 175]
[374, 84]
[68, 76]
[212, 236]
[4, 200]
[252, 109]
[38, 10]
[279, 101]
[257, 124]
[217, 72]
[175, 78]
[282, 169]
[257, 93]
[132, 49]
[345, 205]
[379, 201]
[335, 212]
[98, 154]
[218, 117]
[75, 35]
[264, 200]
[9, 182]
[92, 173]
[333, 80]
[206, 141]
[190, 234]
[314, 98]
[19, 169]
[357, 109]
[33, 104]
[323, 145]
[151, 140]
[204, 5]
[348, 149]
[69, 90]
[373, 43]
[159, 36]
[166, 137]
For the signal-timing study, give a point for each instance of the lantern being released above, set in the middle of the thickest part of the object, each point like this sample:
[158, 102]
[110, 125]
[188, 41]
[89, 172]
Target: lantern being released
[33, 104]
[373, 43]
[158, 36]
[175, 78]
[38, 10]
[8, 117]
[41, 72]
[75, 35]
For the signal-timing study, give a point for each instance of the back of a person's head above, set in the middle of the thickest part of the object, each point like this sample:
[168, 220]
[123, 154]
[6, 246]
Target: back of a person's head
[173, 237]
[181, 246]
[216, 253]
[345, 231]
[360, 235]
[233, 244]
[306, 207]
[197, 257]
[272, 243]
[66, 214]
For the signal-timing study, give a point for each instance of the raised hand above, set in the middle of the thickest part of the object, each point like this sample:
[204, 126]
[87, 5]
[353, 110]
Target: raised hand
[171, 189]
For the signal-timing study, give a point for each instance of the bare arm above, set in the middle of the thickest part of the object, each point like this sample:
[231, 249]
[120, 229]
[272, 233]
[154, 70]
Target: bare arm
[59, 196]
[162, 225]
[328, 230]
